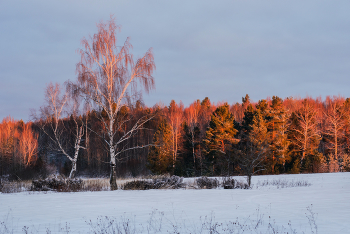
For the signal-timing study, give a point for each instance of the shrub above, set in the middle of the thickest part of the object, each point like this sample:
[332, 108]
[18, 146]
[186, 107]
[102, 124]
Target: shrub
[173, 182]
[58, 184]
[241, 185]
[228, 183]
[159, 182]
[138, 185]
[207, 183]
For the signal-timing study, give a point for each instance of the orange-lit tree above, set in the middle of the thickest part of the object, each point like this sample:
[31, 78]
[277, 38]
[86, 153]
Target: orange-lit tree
[220, 137]
[174, 114]
[254, 146]
[307, 134]
[278, 124]
[192, 128]
[109, 77]
[18, 146]
[335, 121]
[160, 156]
[28, 144]
[7, 144]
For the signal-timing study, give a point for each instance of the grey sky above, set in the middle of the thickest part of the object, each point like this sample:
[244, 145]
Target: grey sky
[219, 49]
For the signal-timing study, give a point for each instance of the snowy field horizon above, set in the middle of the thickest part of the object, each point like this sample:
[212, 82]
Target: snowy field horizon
[321, 207]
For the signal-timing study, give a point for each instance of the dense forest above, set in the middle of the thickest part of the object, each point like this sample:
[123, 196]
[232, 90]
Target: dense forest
[271, 136]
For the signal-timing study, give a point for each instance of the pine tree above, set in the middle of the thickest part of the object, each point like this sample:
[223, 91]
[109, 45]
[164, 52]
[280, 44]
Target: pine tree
[278, 123]
[160, 156]
[253, 147]
[248, 119]
[219, 139]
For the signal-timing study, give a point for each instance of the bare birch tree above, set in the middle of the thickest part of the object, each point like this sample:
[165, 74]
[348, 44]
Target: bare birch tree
[335, 118]
[52, 114]
[307, 136]
[192, 119]
[174, 114]
[28, 144]
[108, 76]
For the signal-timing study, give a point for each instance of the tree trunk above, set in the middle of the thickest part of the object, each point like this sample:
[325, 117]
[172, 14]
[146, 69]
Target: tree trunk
[113, 178]
[249, 179]
[194, 156]
[228, 168]
[74, 169]
[113, 173]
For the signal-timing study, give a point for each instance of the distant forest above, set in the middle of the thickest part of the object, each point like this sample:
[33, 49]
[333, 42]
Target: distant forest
[271, 136]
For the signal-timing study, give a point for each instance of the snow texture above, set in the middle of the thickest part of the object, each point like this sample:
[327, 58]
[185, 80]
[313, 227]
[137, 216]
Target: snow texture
[327, 197]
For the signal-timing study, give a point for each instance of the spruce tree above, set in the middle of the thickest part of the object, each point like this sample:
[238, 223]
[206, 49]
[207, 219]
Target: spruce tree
[278, 123]
[248, 119]
[219, 139]
[253, 148]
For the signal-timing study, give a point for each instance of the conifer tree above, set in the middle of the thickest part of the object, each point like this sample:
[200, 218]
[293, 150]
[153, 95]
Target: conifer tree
[254, 147]
[248, 119]
[278, 123]
[160, 156]
[219, 139]
[239, 109]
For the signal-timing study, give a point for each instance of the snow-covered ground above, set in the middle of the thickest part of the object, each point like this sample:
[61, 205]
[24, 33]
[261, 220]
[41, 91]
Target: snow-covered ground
[322, 207]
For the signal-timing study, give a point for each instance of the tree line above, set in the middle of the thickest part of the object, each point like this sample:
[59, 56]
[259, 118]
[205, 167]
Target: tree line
[270, 136]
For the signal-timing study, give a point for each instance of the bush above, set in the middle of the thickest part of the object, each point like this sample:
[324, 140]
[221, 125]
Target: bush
[173, 182]
[207, 183]
[241, 185]
[138, 185]
[159, 182]
[228, 183]
[58, 184]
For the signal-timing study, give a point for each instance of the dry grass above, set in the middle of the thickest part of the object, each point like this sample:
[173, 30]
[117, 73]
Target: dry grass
[15, 186]
[283, 183]
[102, 184]
[96, 184]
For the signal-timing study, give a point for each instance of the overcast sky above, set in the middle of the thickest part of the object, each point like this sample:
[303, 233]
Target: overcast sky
[219, 49]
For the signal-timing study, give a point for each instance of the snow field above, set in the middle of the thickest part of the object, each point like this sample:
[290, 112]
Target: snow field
[188, 211]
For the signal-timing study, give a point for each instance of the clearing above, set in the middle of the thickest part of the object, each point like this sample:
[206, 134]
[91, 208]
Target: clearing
[275, 204]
